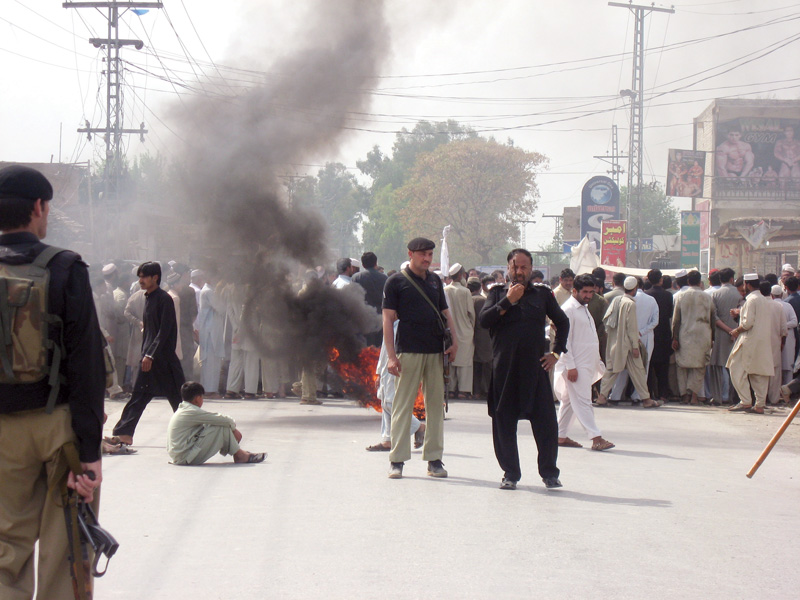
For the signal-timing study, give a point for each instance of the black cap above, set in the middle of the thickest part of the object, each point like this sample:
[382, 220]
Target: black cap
[17, 181]
[420, 243]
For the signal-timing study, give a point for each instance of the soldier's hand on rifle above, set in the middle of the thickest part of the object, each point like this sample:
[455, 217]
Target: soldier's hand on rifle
[87, 483]
[451, 351]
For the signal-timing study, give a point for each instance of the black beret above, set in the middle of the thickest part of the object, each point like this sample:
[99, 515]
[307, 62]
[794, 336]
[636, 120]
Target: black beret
[17, 181]
[420, 243]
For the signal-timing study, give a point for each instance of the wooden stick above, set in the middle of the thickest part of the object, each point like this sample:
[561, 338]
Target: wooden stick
[773, 441]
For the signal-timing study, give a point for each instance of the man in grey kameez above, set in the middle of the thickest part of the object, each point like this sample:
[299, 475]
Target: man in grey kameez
[195, 435]
[725, 299]
[625, 350]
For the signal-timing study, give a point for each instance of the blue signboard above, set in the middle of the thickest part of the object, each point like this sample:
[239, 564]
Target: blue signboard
[647, 245]
[599, 201]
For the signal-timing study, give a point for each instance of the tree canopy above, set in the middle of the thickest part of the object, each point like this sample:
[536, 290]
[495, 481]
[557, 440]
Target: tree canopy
[477, 186]
[659, 216]
[384, 233]
[336, 195]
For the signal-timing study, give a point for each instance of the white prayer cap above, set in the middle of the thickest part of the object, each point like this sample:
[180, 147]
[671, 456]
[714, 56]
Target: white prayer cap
[787, 267]
[404, 265]
[751, 277]
[455, 269]
[681, 273]
[776, 291]
[354, 262]
[109, 269]
[172, 263]
[196, 273]
[630, 282]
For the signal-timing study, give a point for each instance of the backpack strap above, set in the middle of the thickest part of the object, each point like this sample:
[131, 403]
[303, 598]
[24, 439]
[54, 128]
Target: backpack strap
[42, 261]
[46, 255]
[424, 295]
[5, 328]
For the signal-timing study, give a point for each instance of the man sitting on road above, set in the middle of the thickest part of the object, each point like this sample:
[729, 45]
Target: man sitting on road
[195, 435]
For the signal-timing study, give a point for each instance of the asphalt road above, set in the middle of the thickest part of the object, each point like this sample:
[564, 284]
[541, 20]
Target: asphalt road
[668, 513]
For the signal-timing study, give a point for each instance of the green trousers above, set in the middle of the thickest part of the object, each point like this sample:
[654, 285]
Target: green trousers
[415, 369]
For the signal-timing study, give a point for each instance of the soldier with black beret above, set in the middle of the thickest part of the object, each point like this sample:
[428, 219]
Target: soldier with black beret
[33, 438]
[416, 297]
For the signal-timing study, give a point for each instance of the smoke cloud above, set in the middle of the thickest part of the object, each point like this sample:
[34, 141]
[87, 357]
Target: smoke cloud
[237, 147]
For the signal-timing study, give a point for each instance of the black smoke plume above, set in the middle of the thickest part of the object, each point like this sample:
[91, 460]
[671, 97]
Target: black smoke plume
[237, 146]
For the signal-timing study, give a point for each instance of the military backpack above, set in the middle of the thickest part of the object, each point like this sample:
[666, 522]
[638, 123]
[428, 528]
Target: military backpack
[27, 352]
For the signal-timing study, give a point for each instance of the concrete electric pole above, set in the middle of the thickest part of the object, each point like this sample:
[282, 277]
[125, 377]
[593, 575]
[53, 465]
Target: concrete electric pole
[636, 95]
[114, 128]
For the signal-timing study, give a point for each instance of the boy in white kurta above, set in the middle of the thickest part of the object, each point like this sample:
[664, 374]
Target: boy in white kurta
[195, 435]
[578, 368]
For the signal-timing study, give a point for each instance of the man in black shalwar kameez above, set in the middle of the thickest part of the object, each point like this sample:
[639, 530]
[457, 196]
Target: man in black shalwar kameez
[520, 387]
[160, 373]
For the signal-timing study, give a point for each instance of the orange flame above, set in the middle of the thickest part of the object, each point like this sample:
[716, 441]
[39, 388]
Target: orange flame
[361, 380]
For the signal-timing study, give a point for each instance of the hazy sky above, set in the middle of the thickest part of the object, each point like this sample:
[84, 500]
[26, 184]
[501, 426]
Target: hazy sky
[545, 73]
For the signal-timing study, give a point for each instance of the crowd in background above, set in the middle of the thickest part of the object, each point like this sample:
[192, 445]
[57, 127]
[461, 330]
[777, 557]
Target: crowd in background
[688, 343]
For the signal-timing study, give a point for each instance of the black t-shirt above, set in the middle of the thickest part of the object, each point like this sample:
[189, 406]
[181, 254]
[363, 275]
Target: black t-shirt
[420, 330]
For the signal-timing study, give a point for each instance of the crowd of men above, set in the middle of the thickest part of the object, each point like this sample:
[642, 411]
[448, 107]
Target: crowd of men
[733, 343]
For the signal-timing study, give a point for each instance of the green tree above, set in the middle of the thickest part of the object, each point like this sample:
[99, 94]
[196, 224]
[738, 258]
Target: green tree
[478, 187]
[653, 214]
[383, 230]
[341, 201]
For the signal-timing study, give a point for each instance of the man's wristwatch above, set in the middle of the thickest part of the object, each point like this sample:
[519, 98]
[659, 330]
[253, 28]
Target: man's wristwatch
[556, 354]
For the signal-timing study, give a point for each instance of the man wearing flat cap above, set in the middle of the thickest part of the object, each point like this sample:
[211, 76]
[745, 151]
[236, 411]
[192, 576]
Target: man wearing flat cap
[416, 298]
[462, 308]
[39, 424]
[625, 350]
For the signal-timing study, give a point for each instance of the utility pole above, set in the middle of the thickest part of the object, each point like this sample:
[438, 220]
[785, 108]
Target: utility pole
[114, 128]
[636, 95]
[558, 238]
[615, 157]
[522, 231]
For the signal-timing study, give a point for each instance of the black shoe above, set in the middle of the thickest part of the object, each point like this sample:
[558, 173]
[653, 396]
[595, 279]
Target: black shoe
[436, 468]
[396, 471]
[508, 484]
[551, 483]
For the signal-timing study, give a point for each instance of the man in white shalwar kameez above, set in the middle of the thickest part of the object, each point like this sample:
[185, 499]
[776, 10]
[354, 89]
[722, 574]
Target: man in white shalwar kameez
[211, 328]
[750, 361]
[624, 350]
[387, 386]
[647, 318]
[579, 367]
[779, 332]
[787, 353]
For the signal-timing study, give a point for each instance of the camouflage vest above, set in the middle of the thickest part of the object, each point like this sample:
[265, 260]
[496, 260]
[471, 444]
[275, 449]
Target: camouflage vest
[25, 344]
